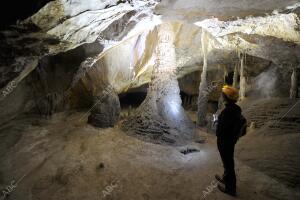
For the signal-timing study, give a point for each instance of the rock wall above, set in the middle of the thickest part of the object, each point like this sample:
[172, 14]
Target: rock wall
[125, 58]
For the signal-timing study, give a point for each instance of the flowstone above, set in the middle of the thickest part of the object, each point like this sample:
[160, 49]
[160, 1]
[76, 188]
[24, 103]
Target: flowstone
[161, 118]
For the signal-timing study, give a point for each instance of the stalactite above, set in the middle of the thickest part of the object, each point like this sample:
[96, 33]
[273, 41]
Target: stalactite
[235, 76]
[294, 85]
[242, 92]
[225, 74]
[220, 100]
[203, 98]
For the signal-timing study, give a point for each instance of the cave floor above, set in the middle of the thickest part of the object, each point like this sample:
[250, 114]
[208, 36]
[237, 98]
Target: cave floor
[64, 158]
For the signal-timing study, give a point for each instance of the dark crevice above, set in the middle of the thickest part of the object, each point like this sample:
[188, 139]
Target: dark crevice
[14, 10]
[189, 150]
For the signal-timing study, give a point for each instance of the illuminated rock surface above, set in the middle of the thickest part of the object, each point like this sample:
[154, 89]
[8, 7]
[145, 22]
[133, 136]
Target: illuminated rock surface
[58, 59]
[160, 117]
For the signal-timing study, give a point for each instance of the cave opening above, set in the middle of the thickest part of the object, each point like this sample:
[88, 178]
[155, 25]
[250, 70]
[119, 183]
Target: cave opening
[133, 98]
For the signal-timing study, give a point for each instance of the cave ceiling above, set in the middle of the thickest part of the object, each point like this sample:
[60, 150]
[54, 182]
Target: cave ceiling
[195, 10]
[125, 35]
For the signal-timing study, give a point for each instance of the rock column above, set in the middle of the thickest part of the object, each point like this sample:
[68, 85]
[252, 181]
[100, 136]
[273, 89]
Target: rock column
[242, 80]
[235, 76]
[294, 84]
[106, 109]
[203, 97]
[161, 118]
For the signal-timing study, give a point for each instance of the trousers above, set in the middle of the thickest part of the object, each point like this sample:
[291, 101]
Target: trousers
[226, 150]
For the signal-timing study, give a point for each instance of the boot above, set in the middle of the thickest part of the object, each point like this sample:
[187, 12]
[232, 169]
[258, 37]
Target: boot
[226, 191]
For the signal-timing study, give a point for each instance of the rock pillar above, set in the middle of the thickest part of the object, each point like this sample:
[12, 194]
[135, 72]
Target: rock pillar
[242, 80]
[203, 97]
[294, 84]
[161, 118]
[106, 109]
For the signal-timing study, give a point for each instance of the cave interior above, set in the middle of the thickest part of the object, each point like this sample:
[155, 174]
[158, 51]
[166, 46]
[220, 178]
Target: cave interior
[116, 99]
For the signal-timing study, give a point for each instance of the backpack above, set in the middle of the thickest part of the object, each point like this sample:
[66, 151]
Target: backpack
[241, 126]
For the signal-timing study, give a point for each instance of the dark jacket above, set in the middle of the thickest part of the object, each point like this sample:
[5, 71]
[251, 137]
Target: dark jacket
[227, 122]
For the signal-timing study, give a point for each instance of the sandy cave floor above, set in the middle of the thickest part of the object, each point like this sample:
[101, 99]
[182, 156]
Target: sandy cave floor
[64, 158]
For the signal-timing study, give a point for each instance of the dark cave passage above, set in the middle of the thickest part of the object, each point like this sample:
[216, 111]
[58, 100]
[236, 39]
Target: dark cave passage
[132, 99]
[19, 10]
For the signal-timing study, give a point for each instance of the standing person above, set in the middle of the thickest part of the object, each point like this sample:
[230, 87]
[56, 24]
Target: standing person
[228, 126]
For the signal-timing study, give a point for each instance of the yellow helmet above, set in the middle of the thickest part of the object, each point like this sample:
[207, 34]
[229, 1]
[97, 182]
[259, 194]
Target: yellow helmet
[231, 92]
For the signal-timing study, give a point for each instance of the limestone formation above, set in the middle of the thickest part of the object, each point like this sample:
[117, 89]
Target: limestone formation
[294, 84]
[192, 10]
[121, 31]
[202, 96]
[106, 109]
[160, 118]
[49, 104]
[242, 92]
[235, 76]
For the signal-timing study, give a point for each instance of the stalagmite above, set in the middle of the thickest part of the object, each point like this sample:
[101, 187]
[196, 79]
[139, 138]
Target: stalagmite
[235, 76]
[294, 85]
[242, 78]
[225, 74]
[203, 97]
[160, 118]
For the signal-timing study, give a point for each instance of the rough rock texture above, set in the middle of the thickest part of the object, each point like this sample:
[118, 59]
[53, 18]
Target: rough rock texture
[24, 46]
[294, 84]
[64, 56]
[49, 104]
[66, 159]
[64, 25]
[242, 91]
[192, 10]
[160, 117]
[275, 38]
[106, 109]
[202, 98]
[119, 35]
[277, 123]
[235, 76]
